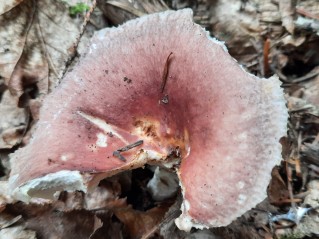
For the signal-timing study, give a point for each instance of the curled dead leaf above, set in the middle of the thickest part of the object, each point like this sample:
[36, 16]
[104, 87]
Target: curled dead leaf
[37, 41]
[13, 122]
[277, 190]
[17, 232]
[8, 5]
[137, 222]
[120, 11]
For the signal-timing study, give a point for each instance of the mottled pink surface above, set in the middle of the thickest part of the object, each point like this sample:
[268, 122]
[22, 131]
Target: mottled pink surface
[224, 116]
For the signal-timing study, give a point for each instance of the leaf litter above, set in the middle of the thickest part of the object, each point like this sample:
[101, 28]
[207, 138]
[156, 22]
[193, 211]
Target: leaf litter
[37, 40]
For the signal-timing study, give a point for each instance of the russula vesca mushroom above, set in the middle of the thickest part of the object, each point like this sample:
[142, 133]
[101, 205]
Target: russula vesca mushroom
[196, 103]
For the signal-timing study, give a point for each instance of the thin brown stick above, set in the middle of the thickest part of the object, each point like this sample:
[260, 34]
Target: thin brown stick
[118, 154]
[307, 14]
[289, 183]
[297, 159]
[266, 56]
[130, 146]
[286, 201]
[306, 77]
[165, 73]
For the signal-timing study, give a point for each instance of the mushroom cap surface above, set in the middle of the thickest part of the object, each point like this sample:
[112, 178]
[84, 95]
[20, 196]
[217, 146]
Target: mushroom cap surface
[225, 123]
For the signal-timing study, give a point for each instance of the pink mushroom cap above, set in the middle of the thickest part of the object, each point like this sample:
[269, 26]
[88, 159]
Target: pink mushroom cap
[225, 123]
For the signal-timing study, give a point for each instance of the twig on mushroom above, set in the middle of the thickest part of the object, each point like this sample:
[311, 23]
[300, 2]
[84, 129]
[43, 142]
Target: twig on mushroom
[165, 73]
[130, 146]
[117, 153]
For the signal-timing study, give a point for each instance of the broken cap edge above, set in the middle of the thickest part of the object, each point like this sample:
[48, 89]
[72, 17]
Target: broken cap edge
[185, 13]
[185, 222]
[48, 185]
[275, 117]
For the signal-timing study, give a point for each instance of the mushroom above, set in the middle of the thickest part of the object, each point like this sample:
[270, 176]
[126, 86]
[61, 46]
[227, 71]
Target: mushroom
[153, 90]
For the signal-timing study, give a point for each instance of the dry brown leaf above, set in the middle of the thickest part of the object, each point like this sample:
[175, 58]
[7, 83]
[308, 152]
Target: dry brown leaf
[97, 225]
[311, 151]
[310, 223]
[110, 229]
[38, 38]
[309, 6]
[100, 197]
[5, 198]
[69, 201]
[277, 190]
[121, 11]
[269, 12]
[287, 11]
[311, 89]
[137, 222]
[13, 122]
[296, 104]
[7, 220]
[238, 27]
[69, 216]
[18, 232]
[104, 197]
[7, 5]
[305, 97]
[294, 41]
[48, 222]
[14, 26]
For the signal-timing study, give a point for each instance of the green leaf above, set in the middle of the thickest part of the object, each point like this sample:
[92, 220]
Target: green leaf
[78, 8]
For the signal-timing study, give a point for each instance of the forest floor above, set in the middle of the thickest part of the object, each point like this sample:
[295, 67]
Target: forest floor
[41, 40]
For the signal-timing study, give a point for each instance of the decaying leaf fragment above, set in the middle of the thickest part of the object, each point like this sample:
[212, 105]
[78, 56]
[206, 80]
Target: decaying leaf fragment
[13, 122]
[35, 43]
[139, 223]
[287, 14]
[17, 232]
[8, 5]
[223, 123]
